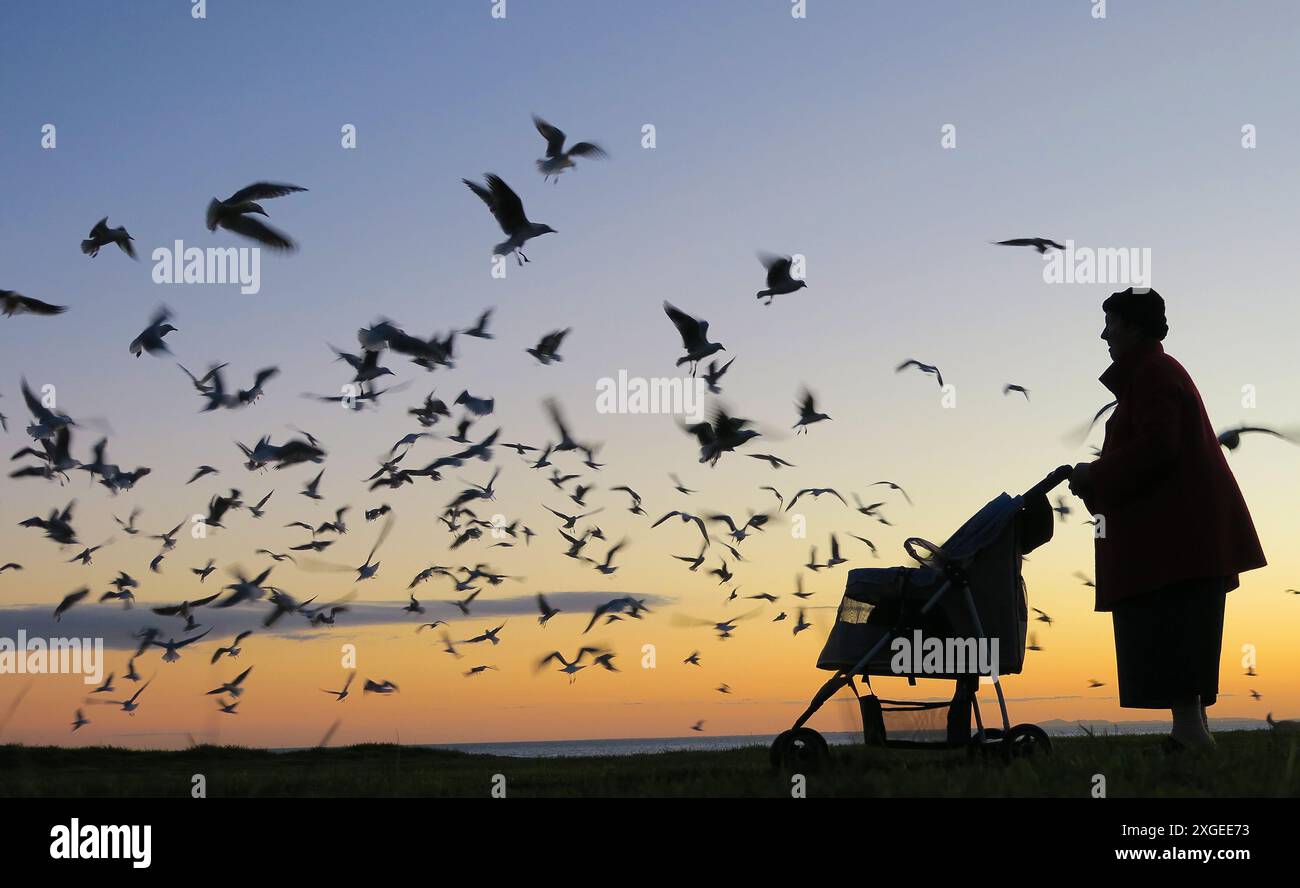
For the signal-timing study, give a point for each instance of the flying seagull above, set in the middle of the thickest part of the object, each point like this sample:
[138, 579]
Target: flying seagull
[151, 340]
[545, 611]
[235, 213]
[695, 336]
[341, 694]
[101, 236]
[547, 349]
[12, 303]
[719, 434]
[569, 667]
[480, 330]
[557, 160]
[713, 373]
[233, 687]
[68, 601]
[807, 407]
[508, 210]
[1041, 244]
[1079, 435]
[924, 368]
[779, 281]
[1231, 438]
[892, 486]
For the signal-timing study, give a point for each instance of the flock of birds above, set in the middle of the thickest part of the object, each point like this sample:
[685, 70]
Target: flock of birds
[571, 462]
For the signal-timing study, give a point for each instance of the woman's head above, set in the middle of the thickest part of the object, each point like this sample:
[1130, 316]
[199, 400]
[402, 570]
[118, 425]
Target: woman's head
[1133, 317]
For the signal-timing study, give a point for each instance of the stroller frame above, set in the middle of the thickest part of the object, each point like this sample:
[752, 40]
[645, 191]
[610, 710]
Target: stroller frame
[803, 747]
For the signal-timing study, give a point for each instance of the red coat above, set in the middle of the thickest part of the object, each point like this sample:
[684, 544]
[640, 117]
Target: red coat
[1171, 506]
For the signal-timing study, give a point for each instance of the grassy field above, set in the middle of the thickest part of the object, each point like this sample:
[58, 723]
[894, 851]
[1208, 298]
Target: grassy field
[1246, 764]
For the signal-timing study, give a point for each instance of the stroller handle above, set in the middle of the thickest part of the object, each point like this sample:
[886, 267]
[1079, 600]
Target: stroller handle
[1059, 474]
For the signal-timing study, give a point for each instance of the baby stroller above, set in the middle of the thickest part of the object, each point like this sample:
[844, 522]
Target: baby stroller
[965, 594]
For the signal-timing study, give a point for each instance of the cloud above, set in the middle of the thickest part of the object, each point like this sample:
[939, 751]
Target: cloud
[118, 626]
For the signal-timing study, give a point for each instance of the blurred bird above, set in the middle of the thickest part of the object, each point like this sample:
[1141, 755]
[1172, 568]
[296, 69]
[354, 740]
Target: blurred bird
[720, 434]
[68, 601]
[236, 212]
[508, 210]
[12, 303]
[1041, 244]
[151, 339]
[807, 407]
[569, 667]
[694, 334]
[779, 281]
[342, 694]
[101, 236]
[557, 160]
[924, 368]
[1231, 438]
[547, 349]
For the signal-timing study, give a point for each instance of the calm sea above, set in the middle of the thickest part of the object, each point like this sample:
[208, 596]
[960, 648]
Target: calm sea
[569, 748]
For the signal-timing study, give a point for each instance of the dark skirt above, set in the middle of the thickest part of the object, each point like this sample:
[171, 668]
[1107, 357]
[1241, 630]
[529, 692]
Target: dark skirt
[1167, 643]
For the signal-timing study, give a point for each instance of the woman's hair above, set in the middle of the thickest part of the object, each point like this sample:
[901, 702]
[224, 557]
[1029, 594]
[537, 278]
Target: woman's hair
[1143, 308]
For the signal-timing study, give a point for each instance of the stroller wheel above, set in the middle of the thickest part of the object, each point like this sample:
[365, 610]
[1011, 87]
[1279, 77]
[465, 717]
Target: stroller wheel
[1027, 740]
[802, 750]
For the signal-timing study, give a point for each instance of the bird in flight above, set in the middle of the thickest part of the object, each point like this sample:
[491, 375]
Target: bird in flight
[151, 339]
[779, 281]
[695, 336]
[508, 210]
[557, 160]
[570, 667]
[171, 646]
[101, 236]
[544, 609]
[233, 650]
[340, 695]
[807, 407]
[713, 373]
[236, 213]
[547, 349]
[131, 704]
[1041, 244]
[234, 687]
[892, 486]
[69, 600]
[719, 434]
[12, 303]
[1231, 438]
[924, 368]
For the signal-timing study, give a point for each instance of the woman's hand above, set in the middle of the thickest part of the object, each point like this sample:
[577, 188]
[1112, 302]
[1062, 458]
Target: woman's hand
[1081, 480]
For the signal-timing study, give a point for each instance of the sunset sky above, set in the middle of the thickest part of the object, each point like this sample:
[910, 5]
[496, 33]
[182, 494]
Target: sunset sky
[819, 136]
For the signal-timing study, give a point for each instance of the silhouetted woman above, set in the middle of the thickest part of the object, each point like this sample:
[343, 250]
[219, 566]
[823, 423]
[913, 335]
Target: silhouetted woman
[1173, 531]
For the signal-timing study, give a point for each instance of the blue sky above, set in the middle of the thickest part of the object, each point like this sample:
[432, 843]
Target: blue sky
[819, 136]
